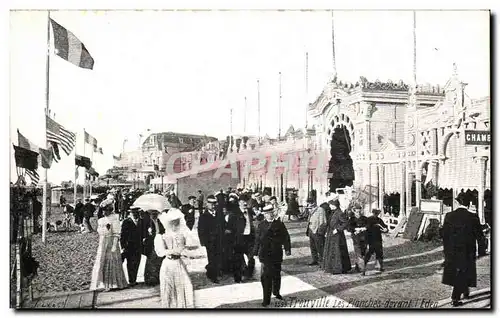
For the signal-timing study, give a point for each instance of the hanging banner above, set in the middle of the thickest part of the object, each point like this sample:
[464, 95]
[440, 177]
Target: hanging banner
[477, 137]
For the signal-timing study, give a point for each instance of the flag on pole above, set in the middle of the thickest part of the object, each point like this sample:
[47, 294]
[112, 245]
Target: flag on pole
[34, 176]
[89, 139]
[55, 149]
[70, 48]
[28, 160]
[59, 135]
[46, 156]
[81, 161]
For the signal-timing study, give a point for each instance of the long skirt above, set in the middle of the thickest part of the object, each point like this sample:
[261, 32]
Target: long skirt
[176, 289]
[152, 269]
[336, 256]
[108, 269]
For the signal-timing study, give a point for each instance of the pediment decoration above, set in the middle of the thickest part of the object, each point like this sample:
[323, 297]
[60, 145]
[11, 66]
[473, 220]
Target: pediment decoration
[389, 145]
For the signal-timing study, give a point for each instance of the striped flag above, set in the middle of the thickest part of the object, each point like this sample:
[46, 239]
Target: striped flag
[59, 135]
[28, 160]
[89, 139]
[70, 48]
[33, 174]
[46, 156]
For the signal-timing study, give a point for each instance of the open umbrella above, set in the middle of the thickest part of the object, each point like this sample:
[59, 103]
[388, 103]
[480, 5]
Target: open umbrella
[152, 201]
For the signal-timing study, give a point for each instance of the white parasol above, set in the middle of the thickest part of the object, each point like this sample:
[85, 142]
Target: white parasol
[152, 201]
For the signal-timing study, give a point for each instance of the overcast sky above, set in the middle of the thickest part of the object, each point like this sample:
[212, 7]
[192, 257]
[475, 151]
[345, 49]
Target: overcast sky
[184, 71]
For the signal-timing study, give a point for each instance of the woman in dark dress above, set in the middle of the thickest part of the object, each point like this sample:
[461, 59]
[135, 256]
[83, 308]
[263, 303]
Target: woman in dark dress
[293, 207]
[336, 256]
[153, 261]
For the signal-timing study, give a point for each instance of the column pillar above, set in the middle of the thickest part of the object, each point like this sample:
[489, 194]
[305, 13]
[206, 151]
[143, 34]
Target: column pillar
[369, 184]
[434, 169]
[418, 182]
[368, 139]
[409, 178]
[381, 186]
[480, 191]
[402, 193]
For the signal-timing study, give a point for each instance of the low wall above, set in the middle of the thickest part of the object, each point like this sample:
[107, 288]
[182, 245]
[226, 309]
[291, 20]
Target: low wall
[208, 182]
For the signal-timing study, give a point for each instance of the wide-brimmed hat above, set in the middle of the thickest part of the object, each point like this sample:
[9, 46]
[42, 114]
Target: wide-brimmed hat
[172, 215]
[268, 208]
[335, 202]
[211, 199]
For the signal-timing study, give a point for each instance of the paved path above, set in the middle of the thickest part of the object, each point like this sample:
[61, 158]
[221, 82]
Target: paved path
[412, 278]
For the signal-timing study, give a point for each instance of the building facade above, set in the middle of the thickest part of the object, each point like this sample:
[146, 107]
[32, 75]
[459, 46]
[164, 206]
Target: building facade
[394, 146]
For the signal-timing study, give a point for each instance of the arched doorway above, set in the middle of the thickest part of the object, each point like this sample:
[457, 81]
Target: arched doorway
[340, 168]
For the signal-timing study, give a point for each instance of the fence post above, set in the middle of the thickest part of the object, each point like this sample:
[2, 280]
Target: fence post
[19, 278]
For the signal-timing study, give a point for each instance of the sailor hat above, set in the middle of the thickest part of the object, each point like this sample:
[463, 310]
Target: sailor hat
[211, 199]
[268, 208]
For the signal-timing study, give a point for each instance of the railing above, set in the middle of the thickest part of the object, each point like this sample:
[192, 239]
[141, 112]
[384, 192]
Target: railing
[23, 226]
[391, 222]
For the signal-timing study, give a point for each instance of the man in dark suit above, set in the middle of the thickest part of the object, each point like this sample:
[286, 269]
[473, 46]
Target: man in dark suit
[257, 204]
[131, 243]
[221, 199]
[241, 235]
[188, 211]
[270, 239]
[210, 232]
[79, 212]
[88, 213]
[201, 200]
[461, 230]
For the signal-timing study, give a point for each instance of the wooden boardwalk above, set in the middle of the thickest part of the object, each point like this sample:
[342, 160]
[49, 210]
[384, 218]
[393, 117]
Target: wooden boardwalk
[72, 300]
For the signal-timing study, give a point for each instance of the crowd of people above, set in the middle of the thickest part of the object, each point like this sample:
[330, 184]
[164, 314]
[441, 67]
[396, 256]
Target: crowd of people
[237, 225]
[232, 225]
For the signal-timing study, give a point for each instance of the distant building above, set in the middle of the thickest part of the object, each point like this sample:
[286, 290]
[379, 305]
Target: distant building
[156, 150]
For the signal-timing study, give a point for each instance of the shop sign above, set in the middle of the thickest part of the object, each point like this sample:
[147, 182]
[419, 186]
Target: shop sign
[477, 137]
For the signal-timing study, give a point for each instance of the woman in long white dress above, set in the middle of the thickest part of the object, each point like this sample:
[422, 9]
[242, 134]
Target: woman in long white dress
[176, 289]
[108, 270]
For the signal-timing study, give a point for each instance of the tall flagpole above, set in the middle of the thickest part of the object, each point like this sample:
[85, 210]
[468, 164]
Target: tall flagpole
[418, 170]
[258, 106]
[76, 171]
[231, 121]
[307, 86]
[245, 117]
[85, 168]
[90, 177]
[47, 112]
[279, 111]
[334, 62]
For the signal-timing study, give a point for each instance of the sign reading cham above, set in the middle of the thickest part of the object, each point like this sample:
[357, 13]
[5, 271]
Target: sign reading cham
[477, 137]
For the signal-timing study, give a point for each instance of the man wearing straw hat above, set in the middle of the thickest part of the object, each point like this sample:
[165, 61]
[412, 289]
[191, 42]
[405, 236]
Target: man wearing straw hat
[270, 239]
[210, 232]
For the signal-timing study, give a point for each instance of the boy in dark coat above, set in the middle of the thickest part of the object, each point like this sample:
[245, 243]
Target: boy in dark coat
[374, 228]
[270, 239]
[461, 231]
[357, 227]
